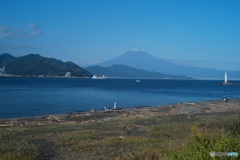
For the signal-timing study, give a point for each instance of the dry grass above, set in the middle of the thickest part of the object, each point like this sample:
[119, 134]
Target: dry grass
[152, 138]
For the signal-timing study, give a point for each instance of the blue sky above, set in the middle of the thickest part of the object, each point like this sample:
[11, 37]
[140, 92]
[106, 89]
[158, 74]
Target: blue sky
[193, 32]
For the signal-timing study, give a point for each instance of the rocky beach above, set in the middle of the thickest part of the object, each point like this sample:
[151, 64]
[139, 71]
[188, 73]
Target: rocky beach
[179, 131]
[189, 109]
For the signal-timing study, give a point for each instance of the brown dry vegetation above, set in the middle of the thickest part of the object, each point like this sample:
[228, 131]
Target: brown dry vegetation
[182, 131]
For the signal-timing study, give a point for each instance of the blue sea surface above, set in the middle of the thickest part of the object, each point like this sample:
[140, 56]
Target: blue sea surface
[22, 97]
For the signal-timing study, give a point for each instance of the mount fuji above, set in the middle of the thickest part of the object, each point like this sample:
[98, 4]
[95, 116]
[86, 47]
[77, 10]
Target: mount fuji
[142, 60]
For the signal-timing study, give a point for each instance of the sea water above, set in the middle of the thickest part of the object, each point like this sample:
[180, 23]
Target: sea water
[21, 97]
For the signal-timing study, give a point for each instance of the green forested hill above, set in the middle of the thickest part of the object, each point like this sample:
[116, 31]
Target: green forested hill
[34, 64]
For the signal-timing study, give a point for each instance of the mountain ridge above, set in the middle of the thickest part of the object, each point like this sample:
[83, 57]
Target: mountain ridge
[35, 64]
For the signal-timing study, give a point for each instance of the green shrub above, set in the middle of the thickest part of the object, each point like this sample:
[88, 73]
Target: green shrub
[201, 144]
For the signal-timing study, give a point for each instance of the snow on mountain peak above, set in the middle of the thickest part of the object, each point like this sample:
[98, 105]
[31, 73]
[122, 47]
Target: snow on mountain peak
[134, 50]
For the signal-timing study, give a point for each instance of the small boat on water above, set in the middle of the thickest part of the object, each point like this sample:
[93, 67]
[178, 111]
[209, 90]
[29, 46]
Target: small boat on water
[137, 80]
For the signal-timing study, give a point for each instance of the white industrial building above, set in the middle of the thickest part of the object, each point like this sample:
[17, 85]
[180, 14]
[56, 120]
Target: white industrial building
[2, 70]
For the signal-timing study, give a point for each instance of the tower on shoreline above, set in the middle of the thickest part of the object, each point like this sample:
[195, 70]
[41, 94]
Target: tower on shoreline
[226, 79]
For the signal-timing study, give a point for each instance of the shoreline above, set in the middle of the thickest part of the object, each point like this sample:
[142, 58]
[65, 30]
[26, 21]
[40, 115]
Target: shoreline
[189, 109]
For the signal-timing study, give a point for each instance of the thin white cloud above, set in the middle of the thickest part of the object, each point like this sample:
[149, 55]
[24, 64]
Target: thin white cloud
[33, 26]
[7, 32]
[35, 30]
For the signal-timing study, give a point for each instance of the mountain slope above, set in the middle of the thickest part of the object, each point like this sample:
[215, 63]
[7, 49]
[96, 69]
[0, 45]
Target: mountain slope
[34, 64]
[6, 57]
[142, 60]
[124, 71]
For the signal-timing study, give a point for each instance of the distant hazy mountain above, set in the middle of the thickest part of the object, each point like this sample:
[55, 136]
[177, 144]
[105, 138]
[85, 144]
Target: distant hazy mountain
[124, 71]
[142, 60]
[34, 64]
